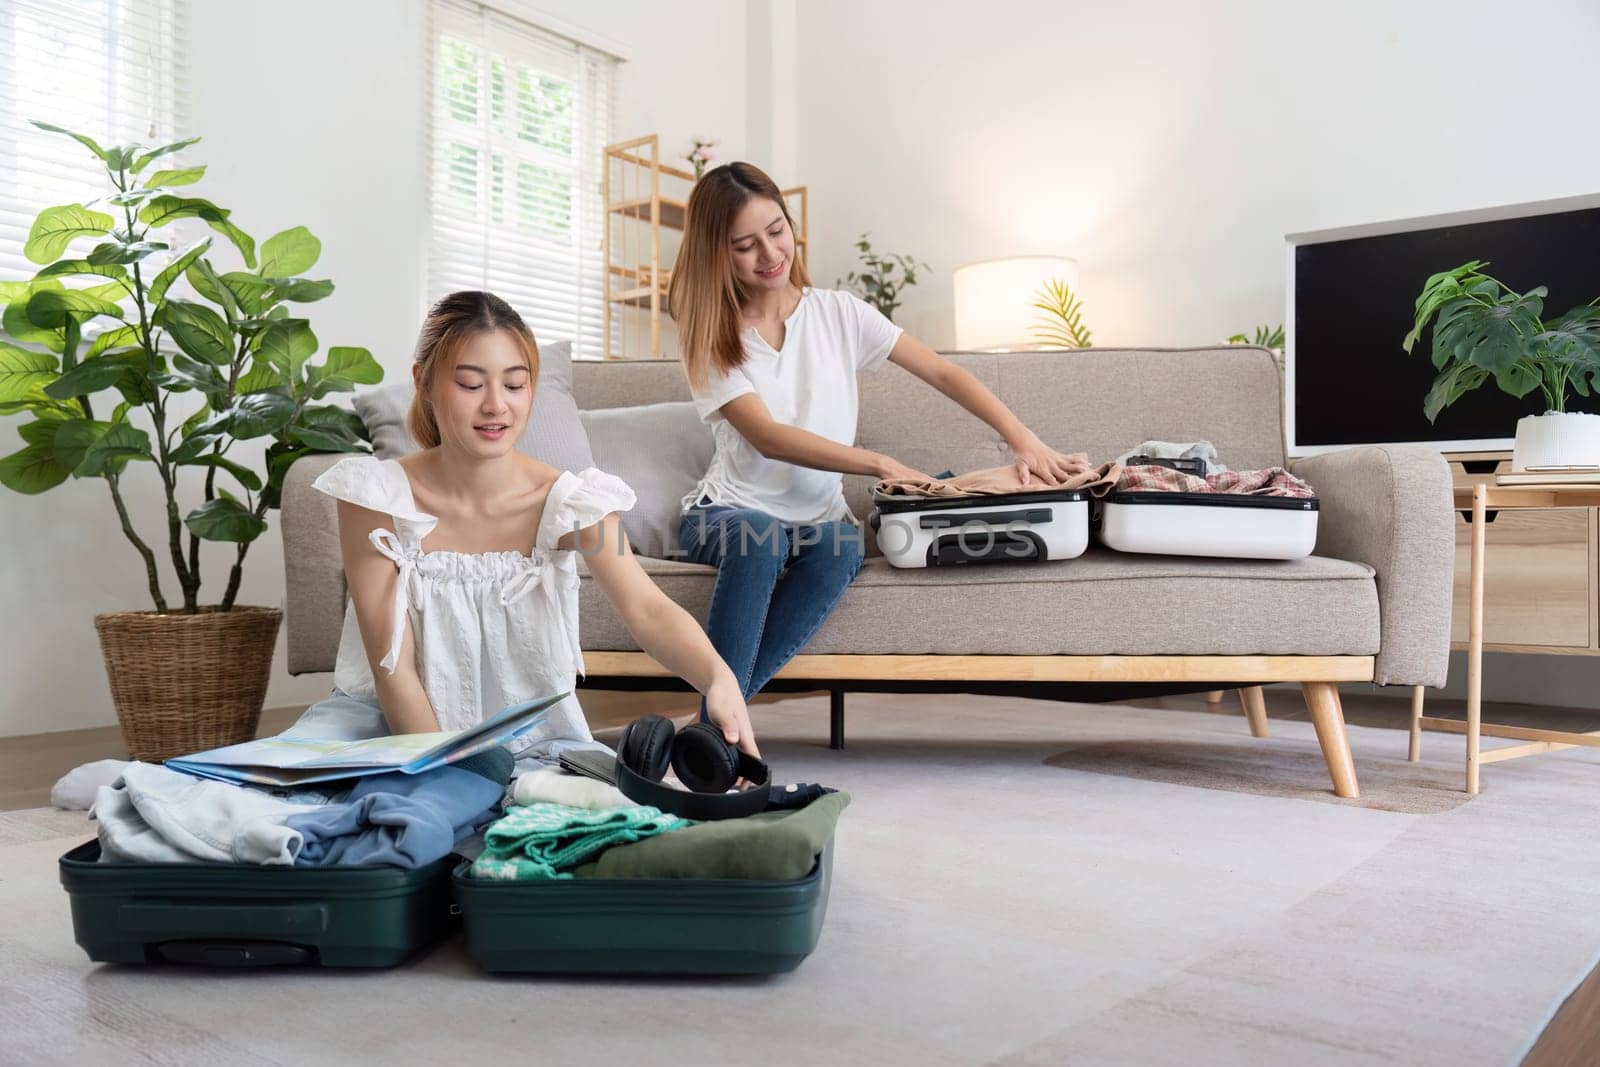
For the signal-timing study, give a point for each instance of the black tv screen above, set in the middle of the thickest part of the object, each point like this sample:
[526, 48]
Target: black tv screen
[1353, 301]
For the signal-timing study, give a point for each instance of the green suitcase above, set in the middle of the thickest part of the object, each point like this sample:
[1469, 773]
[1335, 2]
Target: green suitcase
[222, 915]
[644, 925]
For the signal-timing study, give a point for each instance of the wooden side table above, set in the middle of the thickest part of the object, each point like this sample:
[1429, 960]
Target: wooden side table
[1481, 498]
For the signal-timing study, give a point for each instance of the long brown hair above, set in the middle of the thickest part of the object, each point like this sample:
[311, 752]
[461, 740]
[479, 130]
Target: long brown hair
[447, 327]
[705, 296]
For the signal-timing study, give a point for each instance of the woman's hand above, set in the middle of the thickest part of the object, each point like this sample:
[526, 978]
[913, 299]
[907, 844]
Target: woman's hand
[1035, 458]
[891, 469]
[725, 706]
[664, 630]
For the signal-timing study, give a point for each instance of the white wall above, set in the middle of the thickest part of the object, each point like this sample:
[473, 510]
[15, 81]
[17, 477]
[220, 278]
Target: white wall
[1169, 146]
[312, 114]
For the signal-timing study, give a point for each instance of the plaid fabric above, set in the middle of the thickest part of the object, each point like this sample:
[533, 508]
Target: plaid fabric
[1273, 481]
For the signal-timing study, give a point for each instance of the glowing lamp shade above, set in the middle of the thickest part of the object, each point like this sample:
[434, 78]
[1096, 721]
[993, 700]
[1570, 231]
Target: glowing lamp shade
[994, 300]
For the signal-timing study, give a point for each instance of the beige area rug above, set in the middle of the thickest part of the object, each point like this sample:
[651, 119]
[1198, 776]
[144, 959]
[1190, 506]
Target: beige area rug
[1274, 767]
[988, 907]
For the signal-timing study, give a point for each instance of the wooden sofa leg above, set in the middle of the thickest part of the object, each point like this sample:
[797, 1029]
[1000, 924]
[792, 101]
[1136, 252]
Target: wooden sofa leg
[1215, 696]
[1414, 751]
[1254, 700]
[836, 718]
[1322, 698]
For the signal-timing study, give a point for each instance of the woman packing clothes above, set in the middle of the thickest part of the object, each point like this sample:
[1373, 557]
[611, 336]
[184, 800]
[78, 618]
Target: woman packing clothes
[460, 560]
[772, 365]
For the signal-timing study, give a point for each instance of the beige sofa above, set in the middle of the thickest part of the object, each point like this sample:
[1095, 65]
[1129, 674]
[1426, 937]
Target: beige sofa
[1373, 603]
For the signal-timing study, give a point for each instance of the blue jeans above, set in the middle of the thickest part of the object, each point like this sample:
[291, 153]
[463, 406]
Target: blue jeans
[776, 583]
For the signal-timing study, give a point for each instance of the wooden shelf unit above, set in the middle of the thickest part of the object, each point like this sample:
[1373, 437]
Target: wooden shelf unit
[646, 198]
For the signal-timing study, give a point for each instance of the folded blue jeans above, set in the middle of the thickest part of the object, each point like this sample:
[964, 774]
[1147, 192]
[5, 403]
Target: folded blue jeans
[404, 820]
[776, 583]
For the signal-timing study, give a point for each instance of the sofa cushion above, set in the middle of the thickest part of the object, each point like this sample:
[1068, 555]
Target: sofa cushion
[1103, 603]
[626, 383]
[661, 451]
[553, 434]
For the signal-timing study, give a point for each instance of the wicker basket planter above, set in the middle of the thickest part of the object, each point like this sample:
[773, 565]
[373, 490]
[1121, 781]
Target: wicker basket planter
[183, 683]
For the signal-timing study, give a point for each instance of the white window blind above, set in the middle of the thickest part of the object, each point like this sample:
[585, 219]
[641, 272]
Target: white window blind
[520, 118]
[109, 69]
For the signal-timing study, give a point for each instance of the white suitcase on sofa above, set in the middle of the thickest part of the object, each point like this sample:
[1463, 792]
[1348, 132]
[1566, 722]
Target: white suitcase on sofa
[940, 531]
[1210, 524]
[1232, 525]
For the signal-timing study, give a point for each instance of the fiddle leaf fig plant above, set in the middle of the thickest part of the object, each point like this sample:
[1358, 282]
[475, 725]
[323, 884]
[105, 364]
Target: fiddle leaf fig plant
[1485, 329]
[123, 374]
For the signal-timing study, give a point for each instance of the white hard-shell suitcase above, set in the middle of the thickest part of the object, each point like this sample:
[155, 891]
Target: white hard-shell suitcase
[1049, 524]
[1233, 525]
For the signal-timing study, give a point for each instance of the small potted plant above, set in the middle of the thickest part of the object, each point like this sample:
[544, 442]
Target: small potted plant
[878, 284]
[1487, 330]
[125, 379]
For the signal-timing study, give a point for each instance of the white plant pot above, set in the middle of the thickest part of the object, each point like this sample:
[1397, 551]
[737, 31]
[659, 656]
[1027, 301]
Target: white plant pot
[1570, 439]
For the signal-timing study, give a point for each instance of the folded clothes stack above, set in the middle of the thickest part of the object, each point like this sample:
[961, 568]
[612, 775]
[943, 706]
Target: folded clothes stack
[152, 814]
[554, 824]
[1269, 481]
[544, 841]
[996, 481]
[1129, 472]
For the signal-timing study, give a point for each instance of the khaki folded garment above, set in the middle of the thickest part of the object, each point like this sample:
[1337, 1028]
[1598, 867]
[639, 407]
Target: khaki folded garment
[997, 480]
[778, 846]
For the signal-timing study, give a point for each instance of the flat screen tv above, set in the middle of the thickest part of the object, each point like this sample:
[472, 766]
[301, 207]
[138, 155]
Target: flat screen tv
[1351, 300]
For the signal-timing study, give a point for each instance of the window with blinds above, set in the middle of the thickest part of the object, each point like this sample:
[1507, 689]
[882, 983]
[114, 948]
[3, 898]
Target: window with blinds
[520, 118]
[110, 69]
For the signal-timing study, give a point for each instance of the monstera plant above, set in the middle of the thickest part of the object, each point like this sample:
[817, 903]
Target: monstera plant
[141, 358]
[1483, 329]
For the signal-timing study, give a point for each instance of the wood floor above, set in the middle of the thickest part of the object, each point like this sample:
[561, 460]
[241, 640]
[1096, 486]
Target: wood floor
[30, 765]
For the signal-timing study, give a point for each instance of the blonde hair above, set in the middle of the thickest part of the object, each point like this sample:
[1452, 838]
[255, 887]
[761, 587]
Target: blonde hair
[450, 323]
[705, 296]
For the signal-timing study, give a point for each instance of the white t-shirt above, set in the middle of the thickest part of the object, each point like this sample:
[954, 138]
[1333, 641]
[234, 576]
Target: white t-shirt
[811, 383]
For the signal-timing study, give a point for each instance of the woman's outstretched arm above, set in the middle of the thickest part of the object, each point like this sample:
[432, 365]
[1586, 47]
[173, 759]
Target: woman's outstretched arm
[1033, 456]
[790, 444]
[669, 634]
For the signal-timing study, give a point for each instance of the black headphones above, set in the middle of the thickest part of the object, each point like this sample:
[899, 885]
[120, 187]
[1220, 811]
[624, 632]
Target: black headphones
[701, 758]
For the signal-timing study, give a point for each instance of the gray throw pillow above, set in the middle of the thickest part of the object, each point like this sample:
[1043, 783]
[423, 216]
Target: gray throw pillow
[661, 451]
[553, 434]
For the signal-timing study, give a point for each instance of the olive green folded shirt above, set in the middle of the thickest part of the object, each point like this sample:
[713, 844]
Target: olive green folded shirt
[772, 846]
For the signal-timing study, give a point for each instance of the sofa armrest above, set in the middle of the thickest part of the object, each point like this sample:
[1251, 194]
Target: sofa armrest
[1391, 507]
[313, 568]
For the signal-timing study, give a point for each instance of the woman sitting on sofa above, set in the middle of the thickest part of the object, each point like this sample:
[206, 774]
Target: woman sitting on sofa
[772, 365]
[460, 559]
